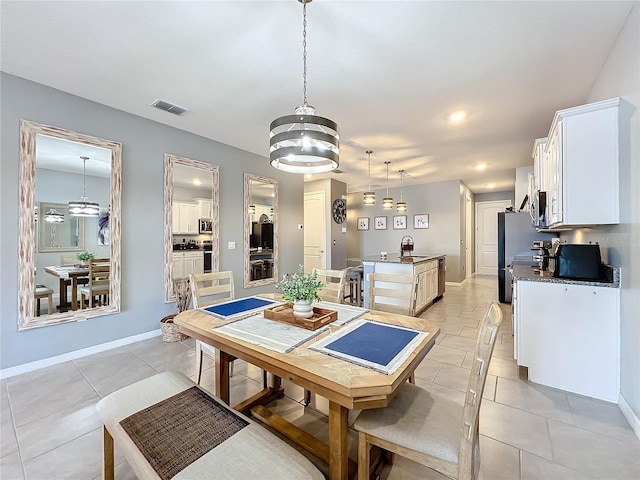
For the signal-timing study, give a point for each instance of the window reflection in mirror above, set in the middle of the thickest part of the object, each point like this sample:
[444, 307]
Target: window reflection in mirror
[261, 230]
[52, 174]
[191, 219]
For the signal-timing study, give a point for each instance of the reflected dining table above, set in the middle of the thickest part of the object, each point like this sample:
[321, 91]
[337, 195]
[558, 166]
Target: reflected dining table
[66, 274]
[346, 385]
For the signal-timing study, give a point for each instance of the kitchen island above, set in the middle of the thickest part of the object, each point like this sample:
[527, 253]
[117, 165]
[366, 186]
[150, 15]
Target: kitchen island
[429, 268]
[567, 332]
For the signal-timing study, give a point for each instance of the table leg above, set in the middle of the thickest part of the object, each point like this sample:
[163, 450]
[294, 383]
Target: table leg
[74, 293]
[222, 375]
[63, 295]
[338, 429]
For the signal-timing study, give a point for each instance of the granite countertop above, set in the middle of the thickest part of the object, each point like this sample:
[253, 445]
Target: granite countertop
[611, 277]
[395, 258]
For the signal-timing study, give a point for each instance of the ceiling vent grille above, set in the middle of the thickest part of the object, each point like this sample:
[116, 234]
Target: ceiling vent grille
[168, 107]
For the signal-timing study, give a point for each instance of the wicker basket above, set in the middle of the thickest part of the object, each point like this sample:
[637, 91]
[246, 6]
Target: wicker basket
[171, 331]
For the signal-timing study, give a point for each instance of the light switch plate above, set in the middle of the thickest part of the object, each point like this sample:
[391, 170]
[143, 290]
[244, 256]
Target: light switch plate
[232, 245]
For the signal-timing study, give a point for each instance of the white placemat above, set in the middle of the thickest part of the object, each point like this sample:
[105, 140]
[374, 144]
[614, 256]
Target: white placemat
[346, 313]
[270, 334]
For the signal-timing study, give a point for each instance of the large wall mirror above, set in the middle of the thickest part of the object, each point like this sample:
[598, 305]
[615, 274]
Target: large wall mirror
[70, 186]
[191, 219]
[260, 230]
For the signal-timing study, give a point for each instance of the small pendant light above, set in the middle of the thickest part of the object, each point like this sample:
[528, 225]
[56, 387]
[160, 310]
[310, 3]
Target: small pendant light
[401, 206]
[369, 197]
[387, 202]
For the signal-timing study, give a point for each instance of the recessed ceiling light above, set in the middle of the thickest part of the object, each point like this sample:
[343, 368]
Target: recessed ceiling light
[481, 166]
[197, 182]
[491, 185]
[457, 116]
[307, 175]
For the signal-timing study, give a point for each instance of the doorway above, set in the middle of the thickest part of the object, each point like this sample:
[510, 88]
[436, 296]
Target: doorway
[487, 236]
[315, 227]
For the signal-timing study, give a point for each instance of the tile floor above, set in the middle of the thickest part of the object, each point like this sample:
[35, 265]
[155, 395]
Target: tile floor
[50, 429]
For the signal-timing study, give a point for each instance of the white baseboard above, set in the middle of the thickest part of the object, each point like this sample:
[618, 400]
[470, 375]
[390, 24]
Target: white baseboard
[631, 417]
[65, 357]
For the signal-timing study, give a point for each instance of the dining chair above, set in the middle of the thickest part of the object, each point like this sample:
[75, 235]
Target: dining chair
[429, 428]
[42, 291]
[209, 289]
[334, 279]
[393, 292]
[72, 260]
[97, 288]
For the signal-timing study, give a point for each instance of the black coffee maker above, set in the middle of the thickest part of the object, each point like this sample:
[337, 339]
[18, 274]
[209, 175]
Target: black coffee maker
[544, 257]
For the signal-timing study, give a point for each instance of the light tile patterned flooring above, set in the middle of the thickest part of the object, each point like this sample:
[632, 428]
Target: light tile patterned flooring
[50, 428]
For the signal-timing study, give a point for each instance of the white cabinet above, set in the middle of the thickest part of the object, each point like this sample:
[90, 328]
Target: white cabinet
[187, 263]
[580, 166]
[185, 218]
[262, 210]
[568, 336]
[427, 273]
[204, 207]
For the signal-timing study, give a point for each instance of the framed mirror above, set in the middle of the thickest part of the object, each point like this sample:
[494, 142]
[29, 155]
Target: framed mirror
[59, 167]
[260, 230]
[191, 219]
[58, 230]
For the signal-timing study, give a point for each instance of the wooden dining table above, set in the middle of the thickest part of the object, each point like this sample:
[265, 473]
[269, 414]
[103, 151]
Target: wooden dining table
[68, 274]
[347, 386]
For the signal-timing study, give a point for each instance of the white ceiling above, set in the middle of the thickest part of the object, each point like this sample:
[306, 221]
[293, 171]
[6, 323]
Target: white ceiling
[388, 72]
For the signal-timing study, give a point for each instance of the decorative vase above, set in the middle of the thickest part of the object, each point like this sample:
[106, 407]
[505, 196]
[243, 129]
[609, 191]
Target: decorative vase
[302, 309]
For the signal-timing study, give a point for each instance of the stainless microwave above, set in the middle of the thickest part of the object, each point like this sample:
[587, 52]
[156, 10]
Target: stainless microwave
[538, 209]
[205, 225]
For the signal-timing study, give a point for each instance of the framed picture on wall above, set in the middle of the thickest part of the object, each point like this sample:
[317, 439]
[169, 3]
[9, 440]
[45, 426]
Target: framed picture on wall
[399, 222]
[421, 220]
[363, 223]
[380, 223]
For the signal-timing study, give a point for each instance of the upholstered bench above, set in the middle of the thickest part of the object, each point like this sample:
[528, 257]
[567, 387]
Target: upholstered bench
[168, 427]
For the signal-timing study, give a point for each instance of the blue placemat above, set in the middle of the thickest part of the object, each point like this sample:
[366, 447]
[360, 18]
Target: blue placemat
[243, 305]
[373, 342]
[380, 346]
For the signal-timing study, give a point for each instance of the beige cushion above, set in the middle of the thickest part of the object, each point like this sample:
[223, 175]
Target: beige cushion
[419, 420]
[252, 453]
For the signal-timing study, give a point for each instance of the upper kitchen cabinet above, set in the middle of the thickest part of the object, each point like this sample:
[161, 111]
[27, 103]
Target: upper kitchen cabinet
[580, 166]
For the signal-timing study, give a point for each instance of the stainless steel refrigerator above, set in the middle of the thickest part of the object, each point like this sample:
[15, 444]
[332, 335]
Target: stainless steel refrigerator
[515, 241]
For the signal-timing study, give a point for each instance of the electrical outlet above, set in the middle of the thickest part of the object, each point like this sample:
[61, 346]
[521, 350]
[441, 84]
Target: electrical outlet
[232, 245]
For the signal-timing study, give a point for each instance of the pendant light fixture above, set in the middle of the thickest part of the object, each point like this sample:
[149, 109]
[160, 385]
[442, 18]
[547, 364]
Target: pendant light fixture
[369, 197]
[401, 206]
[304, 142]
[84, 208]
[387, 202]
[53, 216]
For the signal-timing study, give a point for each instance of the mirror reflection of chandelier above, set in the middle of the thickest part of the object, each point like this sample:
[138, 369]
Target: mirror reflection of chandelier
[53, 216]
[82, 207]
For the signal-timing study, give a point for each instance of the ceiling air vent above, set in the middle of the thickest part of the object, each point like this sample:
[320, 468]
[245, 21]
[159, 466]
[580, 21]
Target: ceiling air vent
[168, 107]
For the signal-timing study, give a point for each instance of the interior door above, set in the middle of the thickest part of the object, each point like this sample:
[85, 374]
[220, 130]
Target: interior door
[487, 236]
[315, 226]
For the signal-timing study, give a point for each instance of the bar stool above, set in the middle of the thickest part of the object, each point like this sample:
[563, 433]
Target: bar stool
[354, 282]
[41, 292]
[257, 269]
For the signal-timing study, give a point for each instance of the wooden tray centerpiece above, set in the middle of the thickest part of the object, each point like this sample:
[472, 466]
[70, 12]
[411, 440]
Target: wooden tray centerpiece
[284, 313]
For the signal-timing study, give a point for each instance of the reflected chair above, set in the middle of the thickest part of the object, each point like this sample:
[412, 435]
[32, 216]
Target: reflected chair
[97, 288]
[42, 291]
[208, 289]
[335, 280]
[72, 260]
[429, 428]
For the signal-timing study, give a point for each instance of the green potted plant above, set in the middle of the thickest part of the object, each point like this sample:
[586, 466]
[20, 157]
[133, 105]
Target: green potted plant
[301, 290]
[85, 257]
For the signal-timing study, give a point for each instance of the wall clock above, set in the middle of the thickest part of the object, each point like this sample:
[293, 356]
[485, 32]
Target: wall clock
[339, 210]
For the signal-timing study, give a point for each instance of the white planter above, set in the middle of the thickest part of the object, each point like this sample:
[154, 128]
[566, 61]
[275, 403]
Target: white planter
[303, 308]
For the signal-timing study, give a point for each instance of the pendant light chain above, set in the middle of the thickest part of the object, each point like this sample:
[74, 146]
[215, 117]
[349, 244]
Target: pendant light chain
[84, 177]
[304, 53]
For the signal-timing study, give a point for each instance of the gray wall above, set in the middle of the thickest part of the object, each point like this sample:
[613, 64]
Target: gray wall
[144, 145]
[440, 200]
[494, 196]
[620, 77]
